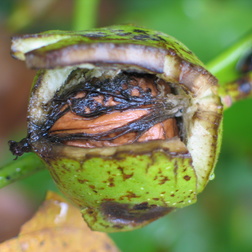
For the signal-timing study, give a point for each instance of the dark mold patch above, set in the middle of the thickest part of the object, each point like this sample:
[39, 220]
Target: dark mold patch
[123, 34]
[125, 214]
[141, 37]
[141, 206]
[154, 39]
[95, 35]
[140, 31]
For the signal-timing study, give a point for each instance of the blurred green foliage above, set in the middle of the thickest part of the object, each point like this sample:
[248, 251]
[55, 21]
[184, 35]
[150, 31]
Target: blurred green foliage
[221, 220]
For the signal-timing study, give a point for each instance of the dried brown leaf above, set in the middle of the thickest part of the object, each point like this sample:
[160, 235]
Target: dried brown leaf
[58, 226]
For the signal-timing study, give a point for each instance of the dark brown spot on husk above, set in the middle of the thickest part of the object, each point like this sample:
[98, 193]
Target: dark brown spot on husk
[130, 195]
[111, 182]
[82, 181]
[187, 178]
[163, 179]
[124, 175]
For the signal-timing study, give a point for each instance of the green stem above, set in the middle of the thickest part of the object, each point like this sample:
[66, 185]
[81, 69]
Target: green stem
[85, 14]
[236, 90]
[224, 65]
[234, 85]
[18, 169]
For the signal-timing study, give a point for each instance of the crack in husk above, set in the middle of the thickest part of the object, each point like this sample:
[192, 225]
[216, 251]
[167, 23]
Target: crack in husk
[121, 89]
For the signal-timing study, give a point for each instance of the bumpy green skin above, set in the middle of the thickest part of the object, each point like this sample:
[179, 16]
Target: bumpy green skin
[137, 183]
[127, 191]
